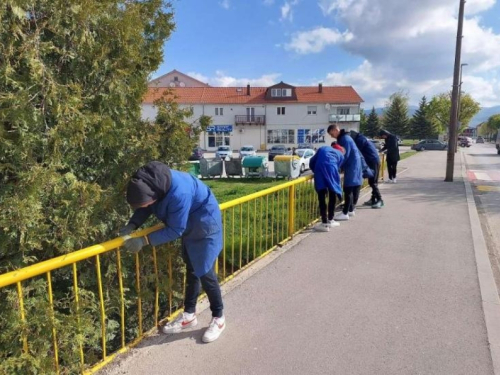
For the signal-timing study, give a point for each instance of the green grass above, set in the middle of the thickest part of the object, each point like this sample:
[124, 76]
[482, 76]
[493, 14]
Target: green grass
[227, 189]
[406, 155]
[408, 142]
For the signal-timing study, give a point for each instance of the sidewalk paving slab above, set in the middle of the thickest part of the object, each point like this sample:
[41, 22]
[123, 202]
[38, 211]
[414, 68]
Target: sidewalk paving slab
[394, 291]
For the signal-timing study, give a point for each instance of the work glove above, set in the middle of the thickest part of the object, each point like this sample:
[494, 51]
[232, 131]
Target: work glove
[127, 229]
[134, 245]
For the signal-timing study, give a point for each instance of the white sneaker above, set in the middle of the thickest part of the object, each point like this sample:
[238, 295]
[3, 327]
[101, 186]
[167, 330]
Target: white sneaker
[389, 180]
[341, 217]
[182, 322]
[322, 227]
[217, 325]
[394, 181]
[333, 223]
[352, 214]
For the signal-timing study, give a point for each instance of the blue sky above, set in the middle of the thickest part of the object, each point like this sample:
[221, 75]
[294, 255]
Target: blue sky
[377, 46]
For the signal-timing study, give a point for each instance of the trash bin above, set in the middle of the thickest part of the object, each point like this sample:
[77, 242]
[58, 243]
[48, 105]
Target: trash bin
[194, 168]
[211, 168]
[233, 168]
[287, 166]
[255, 166]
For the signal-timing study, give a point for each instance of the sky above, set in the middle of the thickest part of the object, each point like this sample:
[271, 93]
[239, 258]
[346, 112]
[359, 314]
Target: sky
[377, 46]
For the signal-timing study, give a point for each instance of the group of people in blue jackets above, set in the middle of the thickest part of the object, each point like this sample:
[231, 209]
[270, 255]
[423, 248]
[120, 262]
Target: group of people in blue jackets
[358, 158]
[191, 213]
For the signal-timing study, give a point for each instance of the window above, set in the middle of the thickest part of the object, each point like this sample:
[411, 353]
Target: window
[280, 110]
[176, 79]
[343, 111]
[312, 110]
[286, 92]
[281, 136]
[275, 93]
[311, 136]
[219, 112]
[217, 139]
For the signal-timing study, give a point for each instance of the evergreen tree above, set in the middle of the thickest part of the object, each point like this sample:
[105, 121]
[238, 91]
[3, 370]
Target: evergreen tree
[396, 118]
[373, 124]
[420, 125]
[362, 122]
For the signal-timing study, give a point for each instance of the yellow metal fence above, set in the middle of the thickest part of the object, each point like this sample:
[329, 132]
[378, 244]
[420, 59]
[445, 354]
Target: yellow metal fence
[68, 324]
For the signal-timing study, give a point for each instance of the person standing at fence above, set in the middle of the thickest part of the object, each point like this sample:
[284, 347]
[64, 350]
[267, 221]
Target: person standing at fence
[392, 148]
[370, 154]
[325, 165]
[353, 172]
[190, 212]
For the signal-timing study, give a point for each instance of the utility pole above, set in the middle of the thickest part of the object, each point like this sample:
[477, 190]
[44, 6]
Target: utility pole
[459, 102]
[450, 161]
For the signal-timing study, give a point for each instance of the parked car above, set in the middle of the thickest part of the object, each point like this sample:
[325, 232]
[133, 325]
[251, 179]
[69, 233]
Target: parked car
[464, 141]
[479, 139]
[224, 152]
[248, 150]
[278, 150]
[497, 143]
[305, 155]
[197, 154]
[377, 143]
[429, 144]
[304, 145]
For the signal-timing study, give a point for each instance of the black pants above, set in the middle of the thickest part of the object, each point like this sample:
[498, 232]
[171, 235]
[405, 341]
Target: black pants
[210, 286]
[351, 196]
[392, 168]
[332, 200]
[373, 181]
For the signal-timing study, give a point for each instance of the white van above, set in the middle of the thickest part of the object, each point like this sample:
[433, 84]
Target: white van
[498, 143]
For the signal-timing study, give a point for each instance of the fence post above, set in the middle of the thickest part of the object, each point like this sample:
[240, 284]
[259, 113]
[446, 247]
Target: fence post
[291, 210]
[382, 167]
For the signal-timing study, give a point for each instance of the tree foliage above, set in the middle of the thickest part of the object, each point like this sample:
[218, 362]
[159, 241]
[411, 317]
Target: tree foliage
[373, 124]
[421, 126]
[363, 122]
[491, 127]
[440, 111]
[72, 79]
[396, 118]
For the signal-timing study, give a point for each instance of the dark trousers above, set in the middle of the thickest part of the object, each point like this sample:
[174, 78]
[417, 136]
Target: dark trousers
[210, 286]
[392, 168]
[351, 196]
[332, 200]
[373, 182]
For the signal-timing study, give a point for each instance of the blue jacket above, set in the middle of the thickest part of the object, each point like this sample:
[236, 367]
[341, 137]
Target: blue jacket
[353, 172]
[366, 148]
[189, 211]
[326, 164]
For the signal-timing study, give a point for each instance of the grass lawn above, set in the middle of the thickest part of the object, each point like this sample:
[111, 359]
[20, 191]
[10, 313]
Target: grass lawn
[226, 189]
[406, 155]
[409, 142]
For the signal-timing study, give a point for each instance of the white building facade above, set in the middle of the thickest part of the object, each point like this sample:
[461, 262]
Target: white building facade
[259, 117]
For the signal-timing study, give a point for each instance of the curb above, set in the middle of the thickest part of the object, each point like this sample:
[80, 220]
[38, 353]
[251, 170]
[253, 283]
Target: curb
[489, 293]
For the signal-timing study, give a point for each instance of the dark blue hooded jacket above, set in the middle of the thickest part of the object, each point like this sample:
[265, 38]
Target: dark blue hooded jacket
[326, 165]
[366, 148]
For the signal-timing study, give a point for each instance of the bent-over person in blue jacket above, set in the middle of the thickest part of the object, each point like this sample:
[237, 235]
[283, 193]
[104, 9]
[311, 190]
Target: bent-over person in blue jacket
[190, 212]
[325, 165]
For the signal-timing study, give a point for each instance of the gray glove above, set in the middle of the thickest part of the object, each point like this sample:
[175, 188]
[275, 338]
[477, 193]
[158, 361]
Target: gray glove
[135, 245]
[126, 230]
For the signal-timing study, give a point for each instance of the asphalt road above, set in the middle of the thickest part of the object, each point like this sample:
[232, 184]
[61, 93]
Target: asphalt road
[483, 171]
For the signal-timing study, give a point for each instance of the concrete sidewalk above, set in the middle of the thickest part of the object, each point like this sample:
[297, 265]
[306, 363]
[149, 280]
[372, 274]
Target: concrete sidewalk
[394, 291]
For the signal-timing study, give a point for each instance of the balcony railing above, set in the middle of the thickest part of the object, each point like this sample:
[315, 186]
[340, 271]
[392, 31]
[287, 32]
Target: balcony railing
[250, 120]
[344, 118]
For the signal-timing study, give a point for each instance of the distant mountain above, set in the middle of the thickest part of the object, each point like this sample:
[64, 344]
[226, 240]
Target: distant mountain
[483, 115]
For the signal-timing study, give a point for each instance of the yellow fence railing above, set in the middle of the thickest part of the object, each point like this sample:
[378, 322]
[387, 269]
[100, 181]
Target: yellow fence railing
[76, 312]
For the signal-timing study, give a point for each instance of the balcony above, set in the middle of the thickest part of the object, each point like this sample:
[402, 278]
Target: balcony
[344, 118]
[250, 120]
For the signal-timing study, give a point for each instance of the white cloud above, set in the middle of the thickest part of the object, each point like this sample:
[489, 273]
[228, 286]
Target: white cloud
[407, 45]
[316, 40]
[223, 80]
[225, 4]
[268, 2]
[287, 10]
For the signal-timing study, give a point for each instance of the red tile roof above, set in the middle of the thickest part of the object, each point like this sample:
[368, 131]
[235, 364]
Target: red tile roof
[238, 95]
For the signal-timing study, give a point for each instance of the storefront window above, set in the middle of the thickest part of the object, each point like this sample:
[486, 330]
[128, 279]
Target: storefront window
[311, 136]
[281, 136]
[219, 139]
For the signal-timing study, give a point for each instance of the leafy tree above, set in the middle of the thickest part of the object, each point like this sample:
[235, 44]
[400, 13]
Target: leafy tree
[363, 122]
[440, 110]
[396, 114]
[72, 81]
[373, 124]
[420, 125]
[490, 127]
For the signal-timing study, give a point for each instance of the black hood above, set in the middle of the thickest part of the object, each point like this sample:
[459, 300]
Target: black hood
[384, 132]
[151, 182]
[341, 133]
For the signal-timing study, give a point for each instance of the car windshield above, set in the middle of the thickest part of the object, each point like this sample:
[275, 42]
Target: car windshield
[247, 149]
[223, 148]
[303, 145]
[300, 152]
[278, 148]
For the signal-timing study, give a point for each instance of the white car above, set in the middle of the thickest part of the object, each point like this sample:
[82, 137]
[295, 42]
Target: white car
[224, 152]
[305, 155]
[247, 150]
